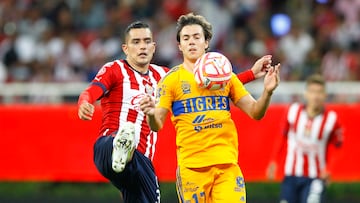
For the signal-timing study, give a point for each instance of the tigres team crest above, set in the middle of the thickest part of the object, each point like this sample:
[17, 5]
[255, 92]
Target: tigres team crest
[185, 86]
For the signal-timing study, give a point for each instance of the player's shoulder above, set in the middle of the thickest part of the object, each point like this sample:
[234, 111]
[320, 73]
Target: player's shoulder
[159, 69]
[330, 112]
[172, 74]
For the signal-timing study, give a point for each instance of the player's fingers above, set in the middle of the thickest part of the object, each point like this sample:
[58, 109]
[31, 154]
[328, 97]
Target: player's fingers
[89, 108]
[84, 116]
[86, 110]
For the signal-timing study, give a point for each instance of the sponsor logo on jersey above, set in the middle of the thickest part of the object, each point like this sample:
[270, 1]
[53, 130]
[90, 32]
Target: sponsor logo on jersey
[199, 128]
[135, 101]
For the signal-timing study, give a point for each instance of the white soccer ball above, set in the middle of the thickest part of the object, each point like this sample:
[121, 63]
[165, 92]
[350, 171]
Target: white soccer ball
[212, 71]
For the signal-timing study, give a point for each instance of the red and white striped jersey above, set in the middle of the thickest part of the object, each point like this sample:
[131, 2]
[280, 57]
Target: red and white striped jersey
[307, 140]
[123, 87]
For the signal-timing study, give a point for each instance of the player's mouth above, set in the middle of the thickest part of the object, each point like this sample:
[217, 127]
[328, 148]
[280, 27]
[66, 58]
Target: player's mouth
[192, 50]
[142, 54]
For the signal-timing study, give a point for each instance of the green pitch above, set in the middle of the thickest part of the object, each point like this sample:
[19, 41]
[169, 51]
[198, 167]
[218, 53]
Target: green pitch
[16, 192]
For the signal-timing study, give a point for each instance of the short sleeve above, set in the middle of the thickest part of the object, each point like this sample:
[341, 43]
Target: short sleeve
[164, 95]
[237, 89]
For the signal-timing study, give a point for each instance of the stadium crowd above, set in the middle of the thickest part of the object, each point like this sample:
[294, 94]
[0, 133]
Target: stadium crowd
[68, 40]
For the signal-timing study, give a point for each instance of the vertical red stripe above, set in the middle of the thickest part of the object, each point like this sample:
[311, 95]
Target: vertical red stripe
[295, 127]
[317, 163]
[294, 165]
[297, 118]
[133, 82]
[322, 125]
[155, 73]
[132, 115]
[306, 165]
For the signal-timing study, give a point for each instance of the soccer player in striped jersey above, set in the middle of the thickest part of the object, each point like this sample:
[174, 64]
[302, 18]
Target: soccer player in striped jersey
[309, 129]
[206, 139]
[125, 148]
[124, 151]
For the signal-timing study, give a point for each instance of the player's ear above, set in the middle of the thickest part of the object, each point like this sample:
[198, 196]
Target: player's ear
[153, 48]
[124, 48]
[179, 47]
[206, 45]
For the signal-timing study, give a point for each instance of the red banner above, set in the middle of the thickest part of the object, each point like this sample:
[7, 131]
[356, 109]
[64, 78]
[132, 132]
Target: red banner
[50, 143]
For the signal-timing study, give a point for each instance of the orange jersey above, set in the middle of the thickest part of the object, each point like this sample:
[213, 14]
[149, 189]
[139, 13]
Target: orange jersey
[205, 133]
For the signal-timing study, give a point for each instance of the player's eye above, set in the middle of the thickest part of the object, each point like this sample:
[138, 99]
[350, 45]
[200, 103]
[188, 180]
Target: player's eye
[185, 38]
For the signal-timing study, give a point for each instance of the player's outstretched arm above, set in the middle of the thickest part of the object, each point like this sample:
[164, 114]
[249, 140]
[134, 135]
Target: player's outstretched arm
[258, 70]
[86, 99]
[155, 116]
[256, 108]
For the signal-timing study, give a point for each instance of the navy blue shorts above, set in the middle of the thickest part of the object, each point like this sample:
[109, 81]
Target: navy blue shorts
[137, 183]
[302, 189]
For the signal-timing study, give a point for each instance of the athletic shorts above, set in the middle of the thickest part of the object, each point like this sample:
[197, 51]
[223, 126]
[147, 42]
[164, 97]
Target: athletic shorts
[137, 183]
[302, 190]
[222, 183]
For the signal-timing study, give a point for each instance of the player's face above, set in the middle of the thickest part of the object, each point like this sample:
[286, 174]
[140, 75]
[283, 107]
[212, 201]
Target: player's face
[315, 95]
[192, 42]
[139, 47]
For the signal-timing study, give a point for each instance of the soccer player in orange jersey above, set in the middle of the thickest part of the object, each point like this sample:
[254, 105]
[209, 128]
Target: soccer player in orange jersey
[206, 139]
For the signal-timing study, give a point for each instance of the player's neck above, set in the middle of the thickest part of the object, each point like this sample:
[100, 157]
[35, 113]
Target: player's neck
[313, 111]
[141, 69]
[188, 65]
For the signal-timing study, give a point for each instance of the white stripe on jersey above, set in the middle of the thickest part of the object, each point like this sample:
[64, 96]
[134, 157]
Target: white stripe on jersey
[307, 148]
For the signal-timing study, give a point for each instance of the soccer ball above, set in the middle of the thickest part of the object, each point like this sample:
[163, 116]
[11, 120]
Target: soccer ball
[212, 71]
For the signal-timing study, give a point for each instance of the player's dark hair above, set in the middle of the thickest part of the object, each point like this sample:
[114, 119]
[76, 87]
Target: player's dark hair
[315, 79]
[191, 19]
[135, 25]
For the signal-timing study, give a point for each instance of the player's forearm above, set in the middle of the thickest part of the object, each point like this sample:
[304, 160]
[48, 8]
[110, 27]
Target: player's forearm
[90, 95]
[154, 123]
[261, 105]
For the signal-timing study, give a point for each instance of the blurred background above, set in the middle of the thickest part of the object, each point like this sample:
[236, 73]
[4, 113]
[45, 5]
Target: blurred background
[51, 49]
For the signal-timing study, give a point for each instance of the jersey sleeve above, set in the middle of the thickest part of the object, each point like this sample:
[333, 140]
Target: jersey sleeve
[336, 136]
[100, 85]
[107, 76]
[164, 93]
[237, 89]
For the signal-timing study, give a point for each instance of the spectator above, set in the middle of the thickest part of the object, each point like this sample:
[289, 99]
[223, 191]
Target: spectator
[334, 65]
[295, 46]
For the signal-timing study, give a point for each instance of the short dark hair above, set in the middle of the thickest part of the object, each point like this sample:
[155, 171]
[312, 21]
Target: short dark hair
[191, 19]
[135, 25]
[315, 79]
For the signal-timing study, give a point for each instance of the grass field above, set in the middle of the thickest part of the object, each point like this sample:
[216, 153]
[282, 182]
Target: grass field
[19, 192]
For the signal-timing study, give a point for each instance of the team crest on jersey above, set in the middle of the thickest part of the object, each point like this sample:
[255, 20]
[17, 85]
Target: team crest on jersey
[149, 90]
[240, 184]
[185, 86]
[160, 91]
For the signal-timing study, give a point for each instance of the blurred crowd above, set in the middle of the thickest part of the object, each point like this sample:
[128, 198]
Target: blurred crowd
[69, 40]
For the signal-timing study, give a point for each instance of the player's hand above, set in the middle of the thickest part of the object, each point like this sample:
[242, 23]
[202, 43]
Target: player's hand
[271, 171]
[272, 78]
[261, 66]
[86, 111]
[325, 176]
[147, 105]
